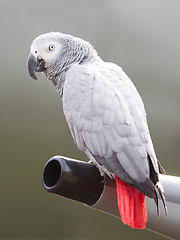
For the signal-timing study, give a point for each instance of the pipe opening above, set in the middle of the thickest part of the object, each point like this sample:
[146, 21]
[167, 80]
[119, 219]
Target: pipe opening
[52, 173]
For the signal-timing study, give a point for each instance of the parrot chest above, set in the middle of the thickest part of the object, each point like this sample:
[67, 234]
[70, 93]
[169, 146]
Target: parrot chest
[81, 95]
[77, 95]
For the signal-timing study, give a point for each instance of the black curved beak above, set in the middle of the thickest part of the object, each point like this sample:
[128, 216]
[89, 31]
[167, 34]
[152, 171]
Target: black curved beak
[35, 65]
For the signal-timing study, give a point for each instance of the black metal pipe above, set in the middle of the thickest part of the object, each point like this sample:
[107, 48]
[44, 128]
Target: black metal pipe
[82, 182]
[73, 179]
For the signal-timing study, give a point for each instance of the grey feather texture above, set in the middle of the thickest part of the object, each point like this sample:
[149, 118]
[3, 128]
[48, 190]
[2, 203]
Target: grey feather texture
[103, 109]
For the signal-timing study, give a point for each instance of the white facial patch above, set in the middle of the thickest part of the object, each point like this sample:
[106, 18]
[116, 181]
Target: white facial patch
[46, 48]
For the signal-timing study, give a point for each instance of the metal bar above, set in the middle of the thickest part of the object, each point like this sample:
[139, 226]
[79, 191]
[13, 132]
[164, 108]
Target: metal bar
[82, 182]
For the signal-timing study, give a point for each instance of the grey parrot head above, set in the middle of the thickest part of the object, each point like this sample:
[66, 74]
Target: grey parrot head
[52, 53]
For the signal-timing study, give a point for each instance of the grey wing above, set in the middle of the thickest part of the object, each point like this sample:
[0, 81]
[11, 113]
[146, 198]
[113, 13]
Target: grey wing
[138, 113]
[107, 120]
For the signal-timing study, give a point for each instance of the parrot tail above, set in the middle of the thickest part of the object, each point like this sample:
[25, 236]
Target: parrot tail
[131, 204]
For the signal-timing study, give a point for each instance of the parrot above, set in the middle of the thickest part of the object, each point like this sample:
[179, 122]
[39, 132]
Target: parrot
[106, 117]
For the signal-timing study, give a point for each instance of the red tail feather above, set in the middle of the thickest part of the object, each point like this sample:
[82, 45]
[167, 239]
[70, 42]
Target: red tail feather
[131, 204]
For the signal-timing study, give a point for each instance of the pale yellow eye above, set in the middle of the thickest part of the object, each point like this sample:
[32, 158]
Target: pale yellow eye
[51, 47]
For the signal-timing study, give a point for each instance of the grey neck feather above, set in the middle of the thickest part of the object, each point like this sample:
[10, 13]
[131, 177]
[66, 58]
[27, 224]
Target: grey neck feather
[74, 50]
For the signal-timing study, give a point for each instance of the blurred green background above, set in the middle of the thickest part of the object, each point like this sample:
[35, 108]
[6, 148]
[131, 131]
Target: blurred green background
[143, 38]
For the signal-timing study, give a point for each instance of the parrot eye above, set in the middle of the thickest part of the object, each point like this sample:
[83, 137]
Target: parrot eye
[51, 47]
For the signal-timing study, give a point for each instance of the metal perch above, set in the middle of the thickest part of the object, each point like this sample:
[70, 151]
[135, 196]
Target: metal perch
[81, 181]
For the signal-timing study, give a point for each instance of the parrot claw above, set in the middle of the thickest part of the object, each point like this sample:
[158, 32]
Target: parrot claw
[161, 190]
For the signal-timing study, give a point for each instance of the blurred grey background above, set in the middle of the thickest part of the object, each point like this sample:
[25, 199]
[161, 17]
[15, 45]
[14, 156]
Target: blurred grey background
[141, 36]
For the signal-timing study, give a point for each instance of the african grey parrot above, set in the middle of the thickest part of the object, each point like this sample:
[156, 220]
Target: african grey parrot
[106, 117]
